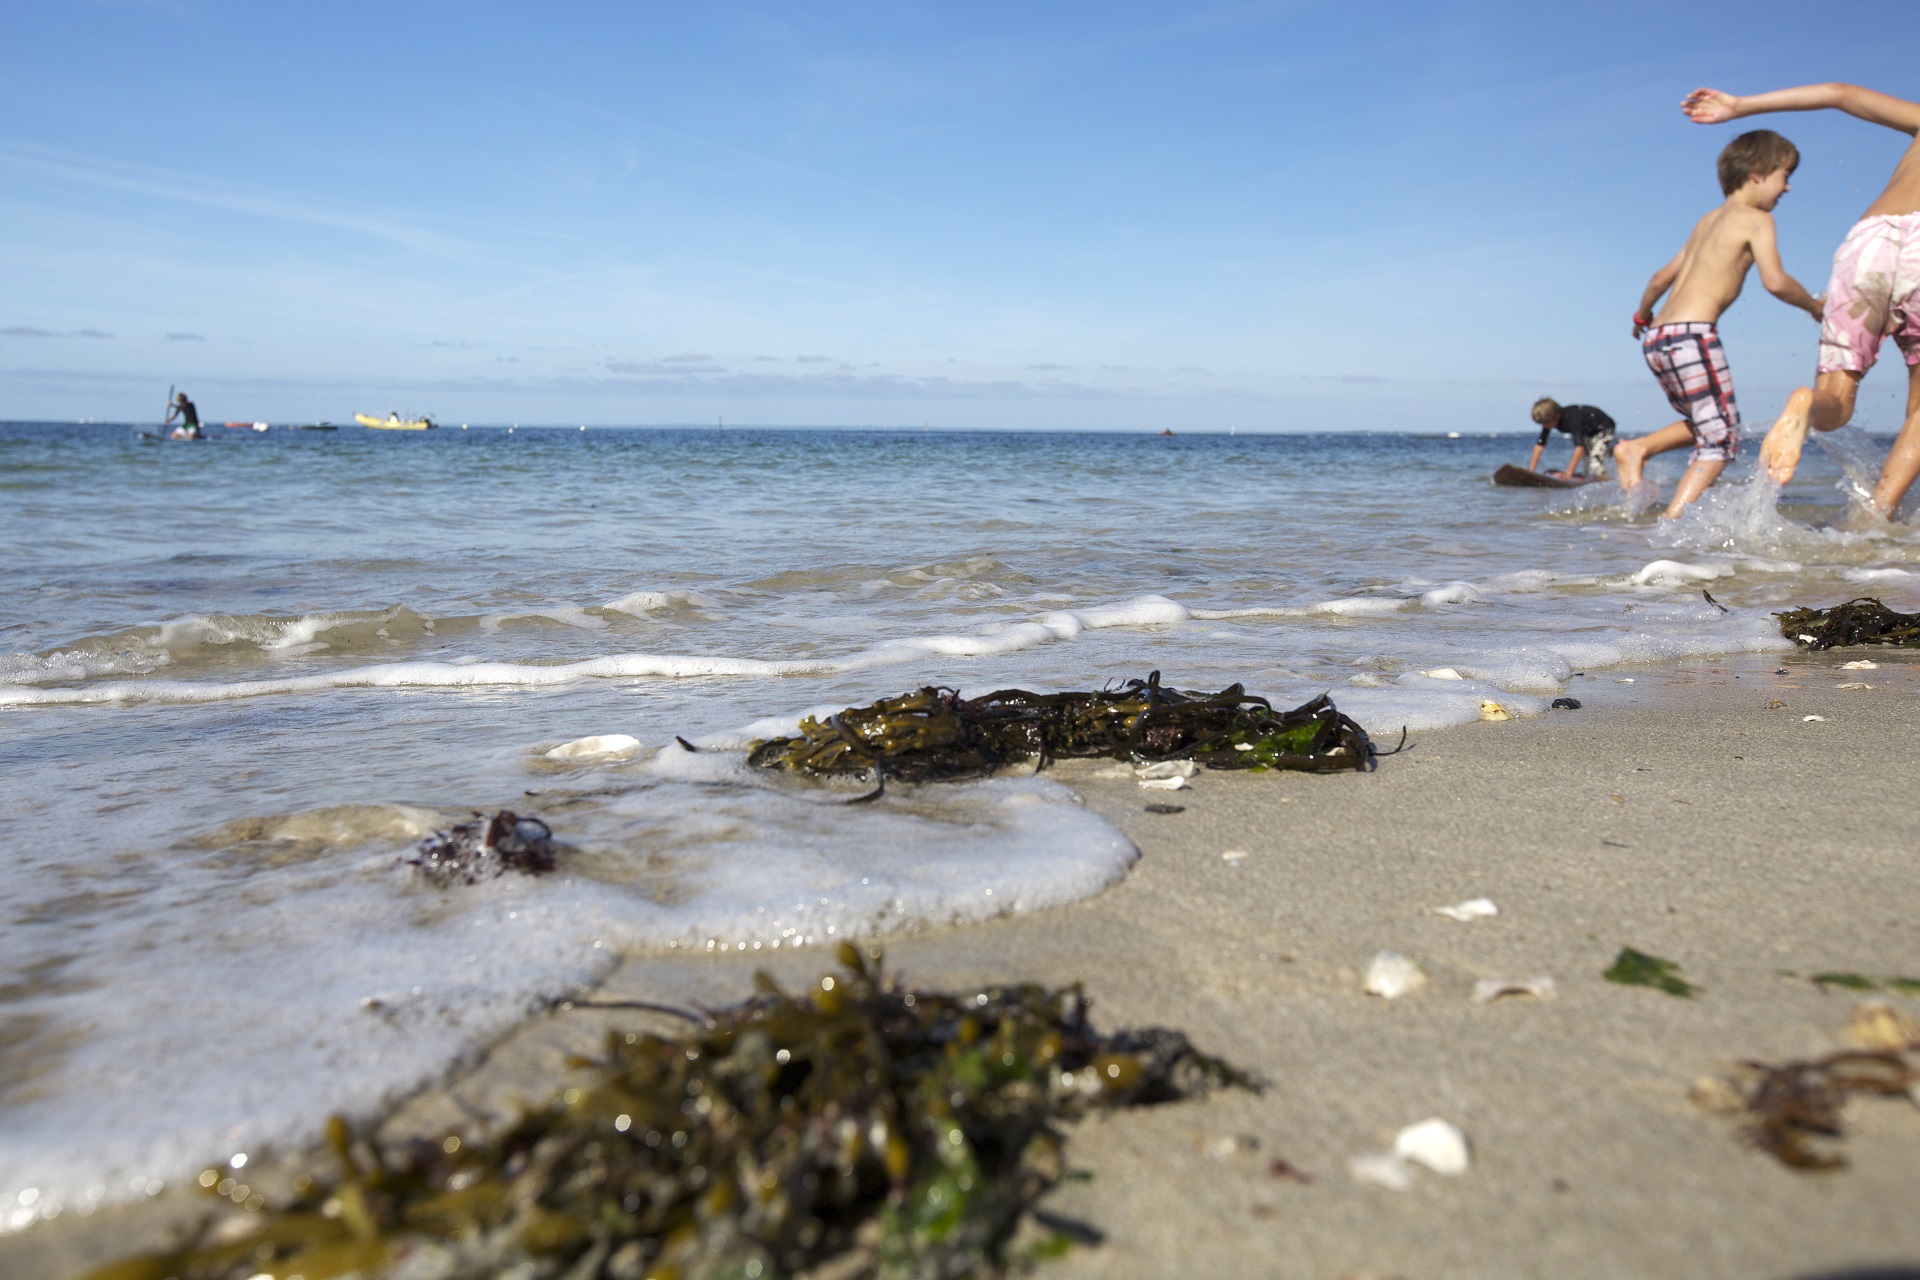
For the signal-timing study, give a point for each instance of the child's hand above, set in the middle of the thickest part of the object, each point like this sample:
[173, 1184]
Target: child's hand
[1709, 106]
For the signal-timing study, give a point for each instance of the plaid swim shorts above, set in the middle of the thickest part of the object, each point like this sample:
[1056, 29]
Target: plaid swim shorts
[1692, 368]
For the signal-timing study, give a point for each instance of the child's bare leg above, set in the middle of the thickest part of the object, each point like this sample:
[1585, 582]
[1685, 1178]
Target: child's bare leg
[1825, 406]
[1630, 456]
[1903, 464]
[1695, 482]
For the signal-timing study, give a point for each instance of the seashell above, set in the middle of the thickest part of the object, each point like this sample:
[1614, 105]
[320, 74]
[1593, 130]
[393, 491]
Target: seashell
[1860, 664]
[1471, 909]
[1878, 1026]
[1487, 990]
[1854, 684]
[1165, 769]
[1716, 1097]
[1390, 1172]
[1434, 1144]
[1491, 710]
[1443, 673]
[1392, 975]
[602, 744]
[1234, 856]
[1811, 719]
[1175, 783]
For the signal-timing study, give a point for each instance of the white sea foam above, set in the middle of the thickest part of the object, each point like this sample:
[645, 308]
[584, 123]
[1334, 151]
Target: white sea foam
[269, 983]
[1143, 611]
[1359, 607]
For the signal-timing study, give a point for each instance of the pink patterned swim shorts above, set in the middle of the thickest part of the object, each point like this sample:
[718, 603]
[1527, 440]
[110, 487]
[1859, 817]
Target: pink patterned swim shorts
[1874, 294]
[1692, 368]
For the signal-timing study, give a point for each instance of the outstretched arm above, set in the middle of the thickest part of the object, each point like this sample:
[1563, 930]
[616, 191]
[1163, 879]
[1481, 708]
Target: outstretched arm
[1766, 257]
[1712, 106]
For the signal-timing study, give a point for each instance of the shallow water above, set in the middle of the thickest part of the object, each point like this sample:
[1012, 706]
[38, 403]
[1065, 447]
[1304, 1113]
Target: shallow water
[242, 677]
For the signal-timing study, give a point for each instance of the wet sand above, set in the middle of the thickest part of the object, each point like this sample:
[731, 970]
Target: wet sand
[1679, 814]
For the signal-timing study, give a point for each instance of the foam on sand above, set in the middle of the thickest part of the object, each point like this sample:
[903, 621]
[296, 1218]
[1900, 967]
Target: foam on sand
[294, 966]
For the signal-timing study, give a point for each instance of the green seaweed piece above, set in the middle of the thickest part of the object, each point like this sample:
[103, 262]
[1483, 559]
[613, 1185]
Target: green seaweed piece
[1851, 981]
[1859, 621]
[1638, 969]
[907, 1132]
[935, 734]
[1905, 986]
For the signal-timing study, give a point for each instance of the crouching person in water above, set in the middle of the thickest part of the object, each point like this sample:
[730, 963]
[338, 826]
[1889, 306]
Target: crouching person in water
[1591, 429]
[1682, 344]
[182, 408]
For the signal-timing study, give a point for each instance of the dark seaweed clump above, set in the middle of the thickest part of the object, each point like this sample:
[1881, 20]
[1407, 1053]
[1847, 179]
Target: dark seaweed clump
[935, 734]
[1862, 621]
[485, 848]
[1794, 1105]
[888, 1132]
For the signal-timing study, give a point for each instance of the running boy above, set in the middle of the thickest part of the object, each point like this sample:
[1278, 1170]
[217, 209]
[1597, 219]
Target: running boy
[1874, 294]
[1681, 345]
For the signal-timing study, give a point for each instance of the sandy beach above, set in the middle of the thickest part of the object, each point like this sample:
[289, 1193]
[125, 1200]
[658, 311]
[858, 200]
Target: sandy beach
[1680, 813]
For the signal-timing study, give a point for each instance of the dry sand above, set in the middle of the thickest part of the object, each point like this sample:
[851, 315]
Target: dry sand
[1679, 814]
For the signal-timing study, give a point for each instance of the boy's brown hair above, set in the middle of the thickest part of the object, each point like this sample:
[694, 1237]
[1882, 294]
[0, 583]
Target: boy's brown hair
[1755, 155]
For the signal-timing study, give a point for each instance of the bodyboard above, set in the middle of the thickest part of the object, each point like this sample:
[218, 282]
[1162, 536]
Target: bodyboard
[1521, 478]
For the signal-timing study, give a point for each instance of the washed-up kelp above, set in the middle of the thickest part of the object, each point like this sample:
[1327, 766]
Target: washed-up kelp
[890, 1132]
[935, 734]
[1862, 621]
[1793, 1105]
[485, 848]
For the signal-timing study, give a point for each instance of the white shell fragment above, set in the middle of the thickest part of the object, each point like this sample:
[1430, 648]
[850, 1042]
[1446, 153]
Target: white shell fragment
[1175, 783]
[1491, 710]
[1392, 975]
[1234, 855]
[1443, 673]
[1487, 990]
[600, 744]
[1811, 719]
[1390, 1172]
[1433, 1144]
[1860, 664]
[1854, 684]
[1165, 769]
[1471, 909]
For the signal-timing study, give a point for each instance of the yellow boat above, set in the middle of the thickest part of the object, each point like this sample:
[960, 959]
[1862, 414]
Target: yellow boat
[394, 422]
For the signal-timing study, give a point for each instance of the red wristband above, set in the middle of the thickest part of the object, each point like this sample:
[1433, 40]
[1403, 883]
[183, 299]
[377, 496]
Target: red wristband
[1642, 321]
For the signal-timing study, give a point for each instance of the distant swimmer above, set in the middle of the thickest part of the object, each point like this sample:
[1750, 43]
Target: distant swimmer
[1682, 344]
[189, 428]
[1591, 429]
[1874, 293]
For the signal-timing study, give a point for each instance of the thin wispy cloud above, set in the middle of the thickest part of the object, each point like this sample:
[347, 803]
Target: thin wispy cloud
[212, 194]
[28, 331]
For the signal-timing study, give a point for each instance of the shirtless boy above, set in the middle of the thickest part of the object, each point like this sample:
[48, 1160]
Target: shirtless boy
[1874, 294]
[1681, 345]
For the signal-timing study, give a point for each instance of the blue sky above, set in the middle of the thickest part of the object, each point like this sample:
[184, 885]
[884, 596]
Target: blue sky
[1282, 216]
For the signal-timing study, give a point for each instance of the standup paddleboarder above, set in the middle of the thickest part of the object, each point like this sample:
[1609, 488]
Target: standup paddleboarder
[1591, 429]
[182, 408]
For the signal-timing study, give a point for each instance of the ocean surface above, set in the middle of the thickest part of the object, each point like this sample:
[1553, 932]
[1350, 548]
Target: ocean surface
[240, 679]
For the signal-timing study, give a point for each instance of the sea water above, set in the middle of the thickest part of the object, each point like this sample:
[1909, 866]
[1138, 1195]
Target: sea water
[241, 679]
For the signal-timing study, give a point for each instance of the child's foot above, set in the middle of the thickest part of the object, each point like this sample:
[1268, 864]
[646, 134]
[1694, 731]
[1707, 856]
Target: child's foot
[1780, 451]
[1627, 462]
[1641, 496]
